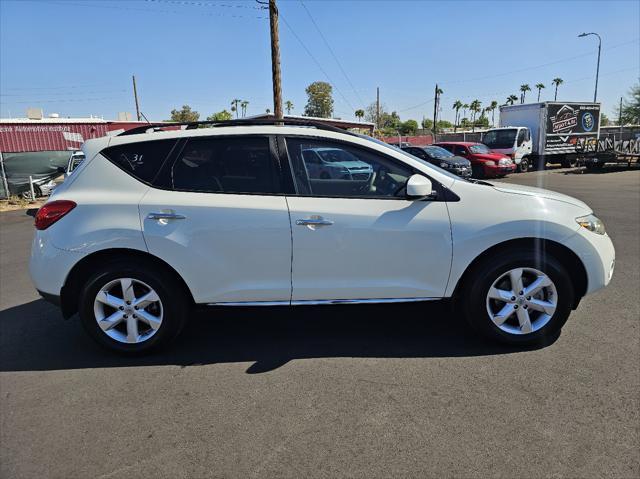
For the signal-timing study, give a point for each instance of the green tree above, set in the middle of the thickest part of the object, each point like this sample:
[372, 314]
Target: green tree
[409, 127]
[267, 111]
[223, 115]
[557, 82]
[185, 115]
[456, 106]
[243, 105]
[427, 123]
[492, 108]
[359, 114]
[442, 124]
[524, 89]
[604, 120]
[288, 105]
[511, 99]
[234, 106]
[475, 107]
[631, 107]
[540, 86]
[320, 100]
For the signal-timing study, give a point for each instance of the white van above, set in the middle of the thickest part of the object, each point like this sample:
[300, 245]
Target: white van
[513, 141]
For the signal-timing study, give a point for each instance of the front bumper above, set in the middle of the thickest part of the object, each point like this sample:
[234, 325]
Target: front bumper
[598, 256]
[497, 170]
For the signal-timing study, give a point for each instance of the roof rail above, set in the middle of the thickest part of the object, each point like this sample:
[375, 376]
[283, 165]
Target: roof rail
[240, 122]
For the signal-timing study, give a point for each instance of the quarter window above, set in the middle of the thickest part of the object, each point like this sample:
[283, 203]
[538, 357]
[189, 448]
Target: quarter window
[141, 159]
[226, 165]
[323, 168]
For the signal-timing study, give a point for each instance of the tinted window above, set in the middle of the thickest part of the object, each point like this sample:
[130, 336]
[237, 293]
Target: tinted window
[500, 138]
[438, 152]
[348, 171]
[141, 159]
[226, 165]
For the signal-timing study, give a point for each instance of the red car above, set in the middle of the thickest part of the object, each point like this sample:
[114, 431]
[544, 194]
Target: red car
[484, 162]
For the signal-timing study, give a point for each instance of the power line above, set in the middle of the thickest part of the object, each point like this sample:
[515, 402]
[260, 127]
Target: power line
[316, 62]
[332, 53]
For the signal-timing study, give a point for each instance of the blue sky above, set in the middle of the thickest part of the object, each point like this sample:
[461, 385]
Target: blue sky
[76, 57]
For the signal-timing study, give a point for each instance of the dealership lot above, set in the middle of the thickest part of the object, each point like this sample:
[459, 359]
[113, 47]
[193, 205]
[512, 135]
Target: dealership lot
[361, 391]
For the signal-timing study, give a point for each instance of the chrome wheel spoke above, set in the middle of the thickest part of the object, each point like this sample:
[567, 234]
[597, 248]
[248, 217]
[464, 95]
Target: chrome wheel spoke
[524, 320]
[546, 307]
[144, 301]
[110, 321]
[149, 319]
[515, 275]
[504, 314]
[539, 283]
[127, 289]
[105, 298]
[500, 294]
[132, 330]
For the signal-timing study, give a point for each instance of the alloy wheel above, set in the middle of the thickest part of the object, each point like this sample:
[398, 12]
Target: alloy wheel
[128, 310]
[522, 301]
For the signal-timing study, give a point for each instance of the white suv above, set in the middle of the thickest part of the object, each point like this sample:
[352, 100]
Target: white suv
[154, 222]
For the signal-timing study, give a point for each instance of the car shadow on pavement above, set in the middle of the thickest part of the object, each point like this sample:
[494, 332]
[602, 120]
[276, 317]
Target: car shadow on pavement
[34, 337]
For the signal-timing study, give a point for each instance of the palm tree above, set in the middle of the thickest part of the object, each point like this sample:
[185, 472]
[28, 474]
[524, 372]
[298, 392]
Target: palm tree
[539, 86]
[475, 108]
[244, 104]
[268, 111]
[456, 106]
[289, 106]
[511, 99]
[465, 107]
[524, 89]
[359, 114]
[492, 108]
[557, 82]
[234, 105]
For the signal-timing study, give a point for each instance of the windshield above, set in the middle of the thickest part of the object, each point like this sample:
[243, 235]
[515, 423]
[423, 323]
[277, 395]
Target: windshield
[398, 150]
[438, 152]
[479, 149]
[500, 138]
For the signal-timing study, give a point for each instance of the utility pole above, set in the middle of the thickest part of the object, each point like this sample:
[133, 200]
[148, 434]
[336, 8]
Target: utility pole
[435, 112]
[620, 114]
[275, 60]
[135, 96]
[595, 92]
[377, 108]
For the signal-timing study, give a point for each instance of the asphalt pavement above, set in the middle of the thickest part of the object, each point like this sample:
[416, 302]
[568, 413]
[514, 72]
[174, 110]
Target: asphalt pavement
[335, 391]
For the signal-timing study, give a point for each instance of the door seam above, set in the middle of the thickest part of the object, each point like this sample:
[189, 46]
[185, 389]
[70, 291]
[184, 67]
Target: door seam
[291, 262]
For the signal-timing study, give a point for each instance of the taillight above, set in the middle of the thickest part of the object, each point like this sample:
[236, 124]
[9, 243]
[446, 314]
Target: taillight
[52, 212]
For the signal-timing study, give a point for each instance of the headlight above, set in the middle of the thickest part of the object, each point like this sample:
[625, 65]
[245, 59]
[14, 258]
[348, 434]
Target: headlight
[592, 223]
[490, 163]
[444, 165]
[504, 162]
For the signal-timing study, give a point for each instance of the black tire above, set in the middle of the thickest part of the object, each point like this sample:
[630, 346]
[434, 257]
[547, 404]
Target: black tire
[175, 303]
[473, 297]
[523, 166]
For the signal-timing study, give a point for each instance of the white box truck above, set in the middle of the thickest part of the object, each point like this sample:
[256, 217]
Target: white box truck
[534, 134]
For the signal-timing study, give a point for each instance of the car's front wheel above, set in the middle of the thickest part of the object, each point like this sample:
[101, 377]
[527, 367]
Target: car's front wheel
[520, 297]
[132, 307]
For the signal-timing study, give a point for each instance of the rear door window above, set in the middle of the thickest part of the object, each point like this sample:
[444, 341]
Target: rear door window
[141, 159]
[226, 165]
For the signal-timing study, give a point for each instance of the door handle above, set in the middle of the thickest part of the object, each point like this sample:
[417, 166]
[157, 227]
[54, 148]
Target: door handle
[314, 221]
[165, 216]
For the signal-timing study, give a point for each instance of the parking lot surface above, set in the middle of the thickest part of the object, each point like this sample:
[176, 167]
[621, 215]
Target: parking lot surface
[356, 391]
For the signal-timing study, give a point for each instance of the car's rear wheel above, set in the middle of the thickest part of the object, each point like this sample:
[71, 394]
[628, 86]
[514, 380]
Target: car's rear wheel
[133, 307]
[519, 297]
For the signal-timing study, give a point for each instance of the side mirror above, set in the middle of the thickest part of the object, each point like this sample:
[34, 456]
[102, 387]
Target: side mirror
[418, 187]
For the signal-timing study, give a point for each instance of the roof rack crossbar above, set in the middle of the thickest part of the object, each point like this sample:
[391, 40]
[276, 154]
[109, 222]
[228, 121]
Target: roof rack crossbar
[239, 122]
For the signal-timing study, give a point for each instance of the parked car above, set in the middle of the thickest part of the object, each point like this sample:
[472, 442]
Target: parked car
[436, 155]
[74, 161]
[151, 224]
[41, 187]
[334, 163]
[484, 162]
